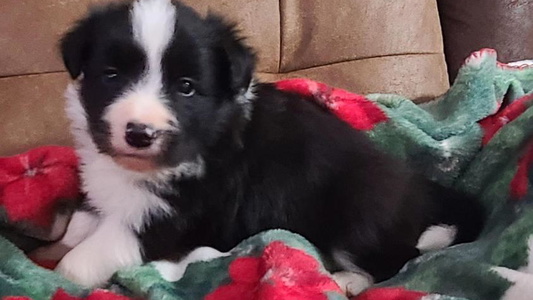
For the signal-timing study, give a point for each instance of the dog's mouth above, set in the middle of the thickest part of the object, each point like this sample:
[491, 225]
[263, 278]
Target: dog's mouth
[139, 160]
[136, 162]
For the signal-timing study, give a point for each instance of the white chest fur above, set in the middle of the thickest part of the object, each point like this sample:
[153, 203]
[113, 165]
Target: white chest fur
[106, 242]
[123, 207]
[119, 194]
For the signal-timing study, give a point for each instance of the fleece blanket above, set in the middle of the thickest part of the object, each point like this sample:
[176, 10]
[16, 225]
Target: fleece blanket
[477, 137]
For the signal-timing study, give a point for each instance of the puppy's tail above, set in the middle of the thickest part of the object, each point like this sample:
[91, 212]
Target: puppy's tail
[458, 209]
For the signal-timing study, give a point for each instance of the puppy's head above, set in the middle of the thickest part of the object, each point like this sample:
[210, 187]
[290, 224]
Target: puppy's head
[159, 85]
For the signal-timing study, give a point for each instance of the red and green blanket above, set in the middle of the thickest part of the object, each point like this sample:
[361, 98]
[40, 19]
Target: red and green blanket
[478, 137]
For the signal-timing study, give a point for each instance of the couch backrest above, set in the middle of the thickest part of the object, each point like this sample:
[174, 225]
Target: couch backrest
[503, 25]
[366, 46]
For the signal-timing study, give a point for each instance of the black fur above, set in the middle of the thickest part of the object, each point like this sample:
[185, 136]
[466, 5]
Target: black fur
[304, 170]
[292, 165]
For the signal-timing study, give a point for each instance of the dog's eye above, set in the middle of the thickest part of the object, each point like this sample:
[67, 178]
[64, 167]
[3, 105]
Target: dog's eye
[186, 87]
[109, 75]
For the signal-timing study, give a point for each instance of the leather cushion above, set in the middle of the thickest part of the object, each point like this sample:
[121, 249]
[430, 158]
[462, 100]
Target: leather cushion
[469, 25]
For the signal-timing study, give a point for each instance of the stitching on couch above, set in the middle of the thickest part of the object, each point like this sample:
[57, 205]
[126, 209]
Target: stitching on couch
[32, 74]
[357, 59]
[286, 72]
[280, 57]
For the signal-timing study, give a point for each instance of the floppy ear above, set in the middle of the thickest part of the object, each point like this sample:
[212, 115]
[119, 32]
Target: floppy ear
[74, 48]
[241, 58]
[242, 64]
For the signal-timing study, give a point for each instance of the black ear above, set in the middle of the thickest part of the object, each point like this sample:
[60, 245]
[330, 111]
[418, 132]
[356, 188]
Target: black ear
[241, 58]
[74, 48]
[242, 64]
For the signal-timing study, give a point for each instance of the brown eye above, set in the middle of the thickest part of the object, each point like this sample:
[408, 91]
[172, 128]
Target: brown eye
[186, 87]
[110, 75]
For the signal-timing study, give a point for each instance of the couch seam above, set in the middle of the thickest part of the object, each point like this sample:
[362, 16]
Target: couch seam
[286, 72]
[32, 74]
[357, 59]
[280, 56]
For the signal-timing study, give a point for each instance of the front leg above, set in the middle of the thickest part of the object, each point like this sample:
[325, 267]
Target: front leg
[111, 247]
[174, 271]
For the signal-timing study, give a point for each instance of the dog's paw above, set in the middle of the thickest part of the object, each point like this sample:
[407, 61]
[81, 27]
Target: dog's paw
[93, 261]
[82, 268]
[174, 271]
[351, 283]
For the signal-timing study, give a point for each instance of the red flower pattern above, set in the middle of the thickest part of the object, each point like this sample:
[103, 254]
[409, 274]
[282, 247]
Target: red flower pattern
[491, 126]
[520, 182]
[31, 183]
[281, 272]
[354, 109]
[62, 295]
[505, 114]
[96, 295]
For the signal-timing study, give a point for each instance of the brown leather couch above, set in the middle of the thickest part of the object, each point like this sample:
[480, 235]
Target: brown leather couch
[366, 46]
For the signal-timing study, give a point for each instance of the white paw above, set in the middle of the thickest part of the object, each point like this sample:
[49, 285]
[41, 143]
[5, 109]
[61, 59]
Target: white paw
[93, 261]
[352, 284]
[170, 271]
[173, 271]
[80, 268]
[436, 237]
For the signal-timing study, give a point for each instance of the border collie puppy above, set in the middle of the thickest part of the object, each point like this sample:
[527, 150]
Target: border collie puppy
[181, 148]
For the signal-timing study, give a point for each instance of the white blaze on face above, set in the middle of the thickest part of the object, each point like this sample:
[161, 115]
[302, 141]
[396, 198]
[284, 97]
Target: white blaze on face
[153, 24]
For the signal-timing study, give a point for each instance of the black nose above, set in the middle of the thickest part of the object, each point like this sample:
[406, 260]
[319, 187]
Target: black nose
[140, 135]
